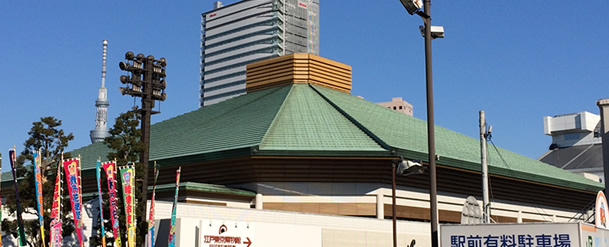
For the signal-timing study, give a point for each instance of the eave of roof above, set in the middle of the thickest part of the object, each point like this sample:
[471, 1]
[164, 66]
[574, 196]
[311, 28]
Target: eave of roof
[201, 187]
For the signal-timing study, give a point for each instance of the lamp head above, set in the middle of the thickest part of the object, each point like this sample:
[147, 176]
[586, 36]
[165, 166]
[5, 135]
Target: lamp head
[412, 6]
[129, 55]
[407, 167]
[162, 62]
[123, 66]
[124, 79]
[123, 90]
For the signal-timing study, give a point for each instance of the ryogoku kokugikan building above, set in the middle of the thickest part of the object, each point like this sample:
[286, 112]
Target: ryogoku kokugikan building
[299, 141]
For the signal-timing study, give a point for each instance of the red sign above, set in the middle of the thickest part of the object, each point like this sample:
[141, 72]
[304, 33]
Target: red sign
[302, 4]
[212, 15]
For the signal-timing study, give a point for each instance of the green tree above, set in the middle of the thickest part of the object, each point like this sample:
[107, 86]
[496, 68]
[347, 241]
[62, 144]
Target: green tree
[46, 136]
[126, 145]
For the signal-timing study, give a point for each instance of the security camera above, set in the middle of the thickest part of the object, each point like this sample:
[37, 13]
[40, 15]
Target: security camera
[436, 31]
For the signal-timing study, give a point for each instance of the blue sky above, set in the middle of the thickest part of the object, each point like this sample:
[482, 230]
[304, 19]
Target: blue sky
[517, 60]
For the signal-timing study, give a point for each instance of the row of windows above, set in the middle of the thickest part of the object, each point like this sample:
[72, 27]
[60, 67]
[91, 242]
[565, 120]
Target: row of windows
[262, 41]
[270, 31]
[240, 91]
[235, 83]
[276, 51]
[240, 55]
[271, 22]
[224, 77]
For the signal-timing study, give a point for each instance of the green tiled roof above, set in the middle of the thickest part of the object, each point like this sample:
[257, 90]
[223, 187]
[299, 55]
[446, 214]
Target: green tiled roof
[89, 155]
[235, 123]
[409, 136]
[303, 119]
[307, 122]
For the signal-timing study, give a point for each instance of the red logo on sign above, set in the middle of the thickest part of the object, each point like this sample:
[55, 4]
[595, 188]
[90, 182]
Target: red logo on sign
[223, 229]
[212, 15]
[302, 4]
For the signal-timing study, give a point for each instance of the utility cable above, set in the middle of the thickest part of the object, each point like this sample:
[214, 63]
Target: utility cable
[537, 206]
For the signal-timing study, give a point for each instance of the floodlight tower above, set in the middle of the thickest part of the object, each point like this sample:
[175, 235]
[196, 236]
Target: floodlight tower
[101, 118]
[145, 79]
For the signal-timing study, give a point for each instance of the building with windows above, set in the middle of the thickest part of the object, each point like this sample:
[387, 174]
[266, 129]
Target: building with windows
[398, 104]
[244, 32]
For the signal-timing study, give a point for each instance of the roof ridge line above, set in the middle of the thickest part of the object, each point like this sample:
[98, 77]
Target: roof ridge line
[351, 119]
[266, 133]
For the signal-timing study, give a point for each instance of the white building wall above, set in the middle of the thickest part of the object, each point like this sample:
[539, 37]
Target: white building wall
[575, 122]
[280, 228]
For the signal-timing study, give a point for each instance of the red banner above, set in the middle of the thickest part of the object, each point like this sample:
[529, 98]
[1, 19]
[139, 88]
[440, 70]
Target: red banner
[72, 169]
[110, 169]
[128, 178]
[56, 211]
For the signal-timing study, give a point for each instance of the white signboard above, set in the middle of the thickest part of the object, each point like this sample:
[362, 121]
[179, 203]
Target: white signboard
[227, 234]
[594, 237]
[219, 233]
[511, 235]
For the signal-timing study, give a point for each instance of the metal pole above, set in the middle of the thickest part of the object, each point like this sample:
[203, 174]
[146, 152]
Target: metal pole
[431, 145]
[395, 237]
[484, 170]
[603, 105]
[147, 105]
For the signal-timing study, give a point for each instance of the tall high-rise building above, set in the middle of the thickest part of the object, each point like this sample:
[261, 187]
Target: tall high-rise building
[247, 31]
[101, 117]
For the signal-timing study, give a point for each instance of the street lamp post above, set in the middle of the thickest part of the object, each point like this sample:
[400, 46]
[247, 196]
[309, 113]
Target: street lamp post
[404, 168]
[414, 7]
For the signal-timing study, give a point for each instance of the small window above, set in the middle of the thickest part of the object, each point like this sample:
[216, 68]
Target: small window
[394, 107]
[400, 107]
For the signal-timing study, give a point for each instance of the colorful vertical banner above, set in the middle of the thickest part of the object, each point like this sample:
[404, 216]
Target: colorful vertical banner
[101, 204]
[56, 211]
[172, 229]
[20, 230]
[72, 167]
[128, 182]
[38, 176]
[110, 170]
[151, 216]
